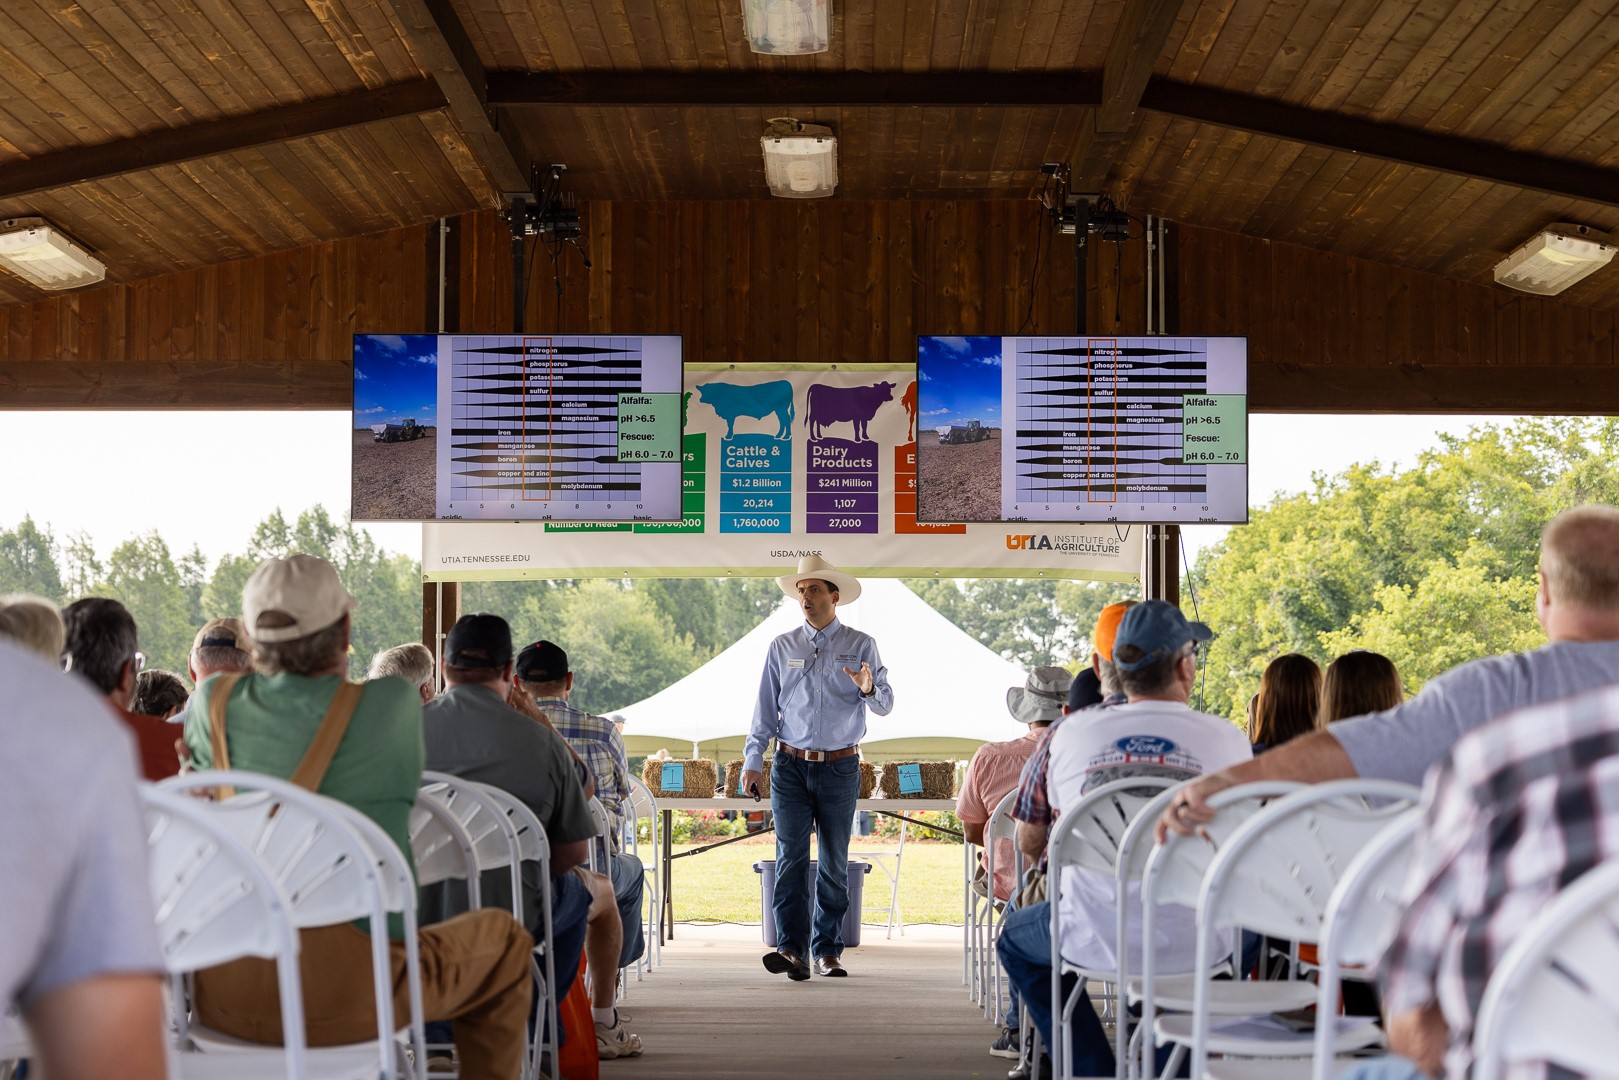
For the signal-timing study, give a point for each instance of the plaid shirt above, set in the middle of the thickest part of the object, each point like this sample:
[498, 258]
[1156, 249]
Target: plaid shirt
[597, 741]
[1031, 804]
[1519, 808]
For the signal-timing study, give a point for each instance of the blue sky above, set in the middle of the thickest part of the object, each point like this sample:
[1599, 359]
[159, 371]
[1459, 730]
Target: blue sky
[960, 380]
[395, 378]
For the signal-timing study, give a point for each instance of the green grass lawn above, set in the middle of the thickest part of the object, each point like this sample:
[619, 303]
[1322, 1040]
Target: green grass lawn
[721, 885]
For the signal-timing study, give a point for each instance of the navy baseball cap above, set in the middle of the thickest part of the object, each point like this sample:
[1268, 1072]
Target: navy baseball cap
[479, 641]
[542, 662]
[1159, 630]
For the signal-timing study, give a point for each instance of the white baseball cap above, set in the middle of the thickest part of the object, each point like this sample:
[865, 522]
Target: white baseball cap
[302, 588]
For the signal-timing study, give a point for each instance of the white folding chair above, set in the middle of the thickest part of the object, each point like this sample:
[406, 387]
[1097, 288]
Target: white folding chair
[1551, 996]
[1172, 877]
[889, 862]
[1088, 837]
[533, 846]
[1274, 875]
[602, 843]
[1000, 826]
[215, 902]
[970, 903]
[641, 805]
[14, 1044]
[328, 866]
[441, 848]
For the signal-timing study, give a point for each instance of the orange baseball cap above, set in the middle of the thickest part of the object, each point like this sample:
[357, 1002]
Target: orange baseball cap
[1107, 625]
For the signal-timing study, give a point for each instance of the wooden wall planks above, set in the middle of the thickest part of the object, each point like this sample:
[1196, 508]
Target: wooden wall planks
[834, 281]
[1328, 333]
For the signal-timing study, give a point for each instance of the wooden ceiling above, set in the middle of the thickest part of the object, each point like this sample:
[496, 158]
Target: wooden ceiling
[1434, 135]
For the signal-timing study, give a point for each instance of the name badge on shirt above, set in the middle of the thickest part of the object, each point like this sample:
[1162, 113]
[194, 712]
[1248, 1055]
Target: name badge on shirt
[795, 662]
[848, 658]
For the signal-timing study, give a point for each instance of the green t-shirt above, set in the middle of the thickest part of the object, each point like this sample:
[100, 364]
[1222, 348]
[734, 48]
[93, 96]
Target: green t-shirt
[272, 719]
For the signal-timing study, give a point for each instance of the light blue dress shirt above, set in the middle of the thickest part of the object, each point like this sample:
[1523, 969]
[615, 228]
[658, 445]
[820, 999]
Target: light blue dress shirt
[805, 697]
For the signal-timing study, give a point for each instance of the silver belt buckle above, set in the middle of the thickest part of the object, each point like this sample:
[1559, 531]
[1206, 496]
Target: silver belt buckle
[815, 755]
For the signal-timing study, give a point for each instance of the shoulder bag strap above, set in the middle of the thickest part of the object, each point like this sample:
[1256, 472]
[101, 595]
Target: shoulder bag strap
[318, 758]
[218, 699]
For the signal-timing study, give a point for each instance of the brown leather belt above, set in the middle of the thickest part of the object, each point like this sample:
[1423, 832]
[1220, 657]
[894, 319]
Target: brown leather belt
[818, 755]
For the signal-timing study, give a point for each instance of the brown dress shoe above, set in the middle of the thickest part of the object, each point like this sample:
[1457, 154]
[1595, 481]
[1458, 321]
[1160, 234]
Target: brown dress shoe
[783, 962]
[831, 966]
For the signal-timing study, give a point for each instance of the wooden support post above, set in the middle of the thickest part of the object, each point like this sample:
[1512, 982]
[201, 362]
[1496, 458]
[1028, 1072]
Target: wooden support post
[441, 606]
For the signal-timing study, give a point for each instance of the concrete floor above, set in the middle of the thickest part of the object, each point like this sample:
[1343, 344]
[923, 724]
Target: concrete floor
[712, 1012]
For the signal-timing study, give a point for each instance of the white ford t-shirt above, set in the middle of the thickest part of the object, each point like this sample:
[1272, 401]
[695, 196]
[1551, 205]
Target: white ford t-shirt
[1098, 746]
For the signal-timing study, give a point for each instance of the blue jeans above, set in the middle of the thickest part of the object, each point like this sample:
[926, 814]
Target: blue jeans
[1011, 1018]
[629, 881]
[1392, 1067]
[819, 795]
[1024, 948]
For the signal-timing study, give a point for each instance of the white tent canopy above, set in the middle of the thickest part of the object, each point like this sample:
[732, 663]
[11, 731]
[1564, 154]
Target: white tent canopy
[949, 690]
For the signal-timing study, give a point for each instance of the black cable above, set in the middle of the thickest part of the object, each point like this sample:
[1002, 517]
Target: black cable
[1039, 235]
[1191, 591]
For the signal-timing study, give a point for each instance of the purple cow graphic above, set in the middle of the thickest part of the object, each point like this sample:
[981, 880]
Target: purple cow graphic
[827, 405]
[759, 400]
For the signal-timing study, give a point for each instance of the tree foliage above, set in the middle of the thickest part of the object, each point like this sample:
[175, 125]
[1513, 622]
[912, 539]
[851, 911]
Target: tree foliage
[1433, 565]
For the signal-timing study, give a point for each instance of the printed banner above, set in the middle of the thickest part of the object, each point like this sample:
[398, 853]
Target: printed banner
[779, 463]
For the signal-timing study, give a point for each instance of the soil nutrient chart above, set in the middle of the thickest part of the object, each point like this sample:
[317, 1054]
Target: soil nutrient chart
[1125, 429]
[551, 427]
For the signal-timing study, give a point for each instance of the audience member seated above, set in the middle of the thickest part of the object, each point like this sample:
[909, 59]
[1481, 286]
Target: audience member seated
[33, 623]
[543, 670]
[80, 957]
[159, 693]
[412, 662]
[993, 773]
[1579, 559]
[1359, 682]
[994, 769]
[472, 732]
[475, 967]
[1154, 652]
[221, 645]
[1518, 810]
[1289, 698]
[102, 649]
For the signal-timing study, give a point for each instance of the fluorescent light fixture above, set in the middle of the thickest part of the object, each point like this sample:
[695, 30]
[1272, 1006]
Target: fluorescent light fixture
[33, 250]
[788, 27]
[1554, 259]
[801, 160]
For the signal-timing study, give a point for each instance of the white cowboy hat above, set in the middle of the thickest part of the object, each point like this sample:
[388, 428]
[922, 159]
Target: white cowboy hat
[813, 566]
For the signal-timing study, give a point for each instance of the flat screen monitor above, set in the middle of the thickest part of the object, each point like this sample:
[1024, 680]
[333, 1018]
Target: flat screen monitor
[1082, 429]
[535, 427]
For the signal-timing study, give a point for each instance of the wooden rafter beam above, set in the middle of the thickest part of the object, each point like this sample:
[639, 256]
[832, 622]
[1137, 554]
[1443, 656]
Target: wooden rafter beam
[1138, 41]
[180, 384]
[981, 89]
[1389, 142]
[441, 43]
[175, 146]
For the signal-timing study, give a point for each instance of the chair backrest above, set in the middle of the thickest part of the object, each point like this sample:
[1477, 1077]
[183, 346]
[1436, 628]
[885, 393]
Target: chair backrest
[1362, 916]
[216, 902]
[1089, 834]
[599, 846]
[1550, 999]
[326, 872]
[1275, 873]
[331, 863]
[1001, 826]
[442, 849]
[532, 843]
[639, 804]
[494, 837]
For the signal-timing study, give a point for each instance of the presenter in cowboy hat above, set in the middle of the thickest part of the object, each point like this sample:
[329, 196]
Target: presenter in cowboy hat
[818, 682]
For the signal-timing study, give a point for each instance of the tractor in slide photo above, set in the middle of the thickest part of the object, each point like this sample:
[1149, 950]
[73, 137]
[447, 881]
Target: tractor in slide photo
[970, 432]
[410, 429]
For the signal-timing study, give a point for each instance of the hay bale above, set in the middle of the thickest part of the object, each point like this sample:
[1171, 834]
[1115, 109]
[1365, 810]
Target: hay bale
[733, 781]
[938, 780]
[868, 779]
[698, 778]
